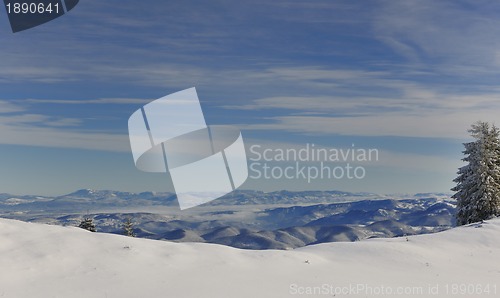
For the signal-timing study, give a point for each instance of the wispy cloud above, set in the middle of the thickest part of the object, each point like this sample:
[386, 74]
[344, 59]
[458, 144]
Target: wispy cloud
[90, 101]
[20, 127]
[367, 103]
[441, 34]
[8, 107]
[436, 126]
[31, 134]
[409, 97]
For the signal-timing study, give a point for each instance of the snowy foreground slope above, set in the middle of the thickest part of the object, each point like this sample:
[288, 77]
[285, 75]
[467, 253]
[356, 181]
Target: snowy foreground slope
[52, 261]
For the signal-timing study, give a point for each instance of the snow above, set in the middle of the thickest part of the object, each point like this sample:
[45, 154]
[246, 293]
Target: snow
[52, 261]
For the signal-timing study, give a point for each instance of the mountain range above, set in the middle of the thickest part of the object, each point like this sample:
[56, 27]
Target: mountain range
[244, 219]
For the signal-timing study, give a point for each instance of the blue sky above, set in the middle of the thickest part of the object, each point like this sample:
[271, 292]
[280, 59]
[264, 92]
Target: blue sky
[405, 77]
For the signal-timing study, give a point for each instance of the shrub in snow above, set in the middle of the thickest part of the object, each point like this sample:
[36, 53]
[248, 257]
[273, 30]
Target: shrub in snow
[128, 228]
[88, 224]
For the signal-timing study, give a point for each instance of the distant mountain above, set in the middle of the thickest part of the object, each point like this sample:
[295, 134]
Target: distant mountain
[89, 199]
[244, 219]
[84, 200]
[246, 197]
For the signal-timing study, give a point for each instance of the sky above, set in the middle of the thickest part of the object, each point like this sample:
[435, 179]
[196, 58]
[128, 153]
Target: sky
[407, 78]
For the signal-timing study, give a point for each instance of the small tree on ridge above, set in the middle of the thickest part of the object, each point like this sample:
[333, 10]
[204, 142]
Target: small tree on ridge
[88, 224]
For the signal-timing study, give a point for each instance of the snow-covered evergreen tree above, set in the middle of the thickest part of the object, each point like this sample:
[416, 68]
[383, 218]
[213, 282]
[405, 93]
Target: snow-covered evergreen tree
[128, 227]
[478, 182]
[88, 224]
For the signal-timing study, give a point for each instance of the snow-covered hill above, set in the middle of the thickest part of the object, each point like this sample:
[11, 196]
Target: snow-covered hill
[52, 261]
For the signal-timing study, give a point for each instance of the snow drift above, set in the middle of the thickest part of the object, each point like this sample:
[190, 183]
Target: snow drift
[52, 261]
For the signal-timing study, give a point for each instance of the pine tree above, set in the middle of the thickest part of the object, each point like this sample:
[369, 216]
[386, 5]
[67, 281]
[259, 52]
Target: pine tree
[88, 224]
[128, 227]
[478, 182]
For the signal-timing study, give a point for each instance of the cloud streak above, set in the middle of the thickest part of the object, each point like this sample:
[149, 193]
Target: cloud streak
[19, 127]
[90, 101]
[441, 34]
